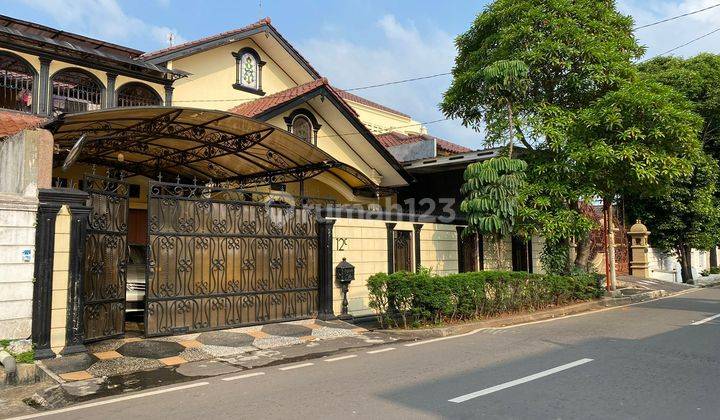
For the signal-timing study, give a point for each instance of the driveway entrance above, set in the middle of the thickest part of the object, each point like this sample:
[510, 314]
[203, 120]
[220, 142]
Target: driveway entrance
[221, 258]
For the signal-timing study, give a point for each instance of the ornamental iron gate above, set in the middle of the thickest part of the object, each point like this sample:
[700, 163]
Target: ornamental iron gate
[222, 258]
[106, 257]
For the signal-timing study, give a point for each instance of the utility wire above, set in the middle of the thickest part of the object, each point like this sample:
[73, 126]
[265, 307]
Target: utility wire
[677, 17]
[682, 45]
[395, 82]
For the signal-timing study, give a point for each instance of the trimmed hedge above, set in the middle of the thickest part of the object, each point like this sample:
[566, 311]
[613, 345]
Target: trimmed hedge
[413, 299]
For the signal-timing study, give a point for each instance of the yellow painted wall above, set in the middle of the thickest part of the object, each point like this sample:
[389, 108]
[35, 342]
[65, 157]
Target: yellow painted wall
[213, 73]
[364, 244]
[32, 59]
[381, 121]
[60, 279]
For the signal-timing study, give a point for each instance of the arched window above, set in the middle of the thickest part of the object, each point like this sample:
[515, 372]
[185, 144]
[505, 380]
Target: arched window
[74, 90]
[302, 127]
[303, 124]
[137, 94]
[17, 82]
[248, 71]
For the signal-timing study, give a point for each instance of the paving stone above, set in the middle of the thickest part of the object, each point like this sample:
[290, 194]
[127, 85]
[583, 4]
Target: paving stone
[191, 344]
[172, 361]
[194, 354]
[222, 351]
[206, 368]
[105, 345]
[71, 363]
[151, 349]
[335, 324]
[123, 365]
[324, 332]
[107, 355]
[287, 330]
[80, 375]
[225, 339]
[273, 342]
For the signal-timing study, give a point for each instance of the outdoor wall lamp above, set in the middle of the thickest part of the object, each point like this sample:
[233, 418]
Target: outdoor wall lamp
[344, 274]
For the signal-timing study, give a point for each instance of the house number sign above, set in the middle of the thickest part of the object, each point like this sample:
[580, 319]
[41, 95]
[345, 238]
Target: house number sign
[341, 244]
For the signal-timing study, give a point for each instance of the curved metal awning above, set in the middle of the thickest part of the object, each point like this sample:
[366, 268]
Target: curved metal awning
[205, 144]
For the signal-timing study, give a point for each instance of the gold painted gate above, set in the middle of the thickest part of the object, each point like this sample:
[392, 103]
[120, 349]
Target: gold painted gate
[222, 258]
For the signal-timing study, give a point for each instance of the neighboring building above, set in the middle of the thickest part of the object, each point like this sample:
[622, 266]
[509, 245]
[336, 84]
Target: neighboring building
[190, 125]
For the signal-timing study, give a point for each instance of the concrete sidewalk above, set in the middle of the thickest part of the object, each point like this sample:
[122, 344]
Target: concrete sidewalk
[129, 355]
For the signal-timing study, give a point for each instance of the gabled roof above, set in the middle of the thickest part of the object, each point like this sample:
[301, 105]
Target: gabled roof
[12, 122]
[394, 138]
[223, 38]
[31, 36]
[359, 99]
[271, 105]
[266, 103]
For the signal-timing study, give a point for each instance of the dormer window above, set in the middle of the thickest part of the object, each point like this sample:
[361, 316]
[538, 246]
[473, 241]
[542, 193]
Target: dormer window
[303, 124]
[302, 127]
[248, 71]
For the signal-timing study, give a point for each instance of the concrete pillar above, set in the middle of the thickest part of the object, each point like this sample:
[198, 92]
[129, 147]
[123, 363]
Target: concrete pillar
[25, 166]
[639, 261]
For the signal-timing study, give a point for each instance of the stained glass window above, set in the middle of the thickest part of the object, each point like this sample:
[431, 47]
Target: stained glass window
[302, 127]
[248, 71]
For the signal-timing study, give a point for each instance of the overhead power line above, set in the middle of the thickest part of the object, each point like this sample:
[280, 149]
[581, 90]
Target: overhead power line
[395, 82]
[682, 45]
[677, 17]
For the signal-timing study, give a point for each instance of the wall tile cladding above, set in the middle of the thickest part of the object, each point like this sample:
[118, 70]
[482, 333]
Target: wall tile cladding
[364, 244]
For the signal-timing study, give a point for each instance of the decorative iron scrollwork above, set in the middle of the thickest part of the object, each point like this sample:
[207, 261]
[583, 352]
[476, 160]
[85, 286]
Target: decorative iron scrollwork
[242, 260]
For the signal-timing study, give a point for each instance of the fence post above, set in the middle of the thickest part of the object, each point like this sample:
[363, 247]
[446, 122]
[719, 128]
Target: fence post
[418, 260]
[325, 267]
[50, 203]
[390, 247]
[75, 330]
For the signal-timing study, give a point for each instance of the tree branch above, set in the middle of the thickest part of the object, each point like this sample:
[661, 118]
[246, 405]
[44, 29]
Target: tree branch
[523, 140]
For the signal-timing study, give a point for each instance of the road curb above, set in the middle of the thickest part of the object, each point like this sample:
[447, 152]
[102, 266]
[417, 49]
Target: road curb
[583, 307]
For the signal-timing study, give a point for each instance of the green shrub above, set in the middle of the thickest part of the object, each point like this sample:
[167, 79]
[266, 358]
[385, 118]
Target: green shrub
[402, 299]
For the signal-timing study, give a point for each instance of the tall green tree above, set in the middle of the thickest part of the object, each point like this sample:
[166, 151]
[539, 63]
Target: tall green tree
[634, 142]
[575, 51]
[685, 216]
[505, 82]
[698, 79]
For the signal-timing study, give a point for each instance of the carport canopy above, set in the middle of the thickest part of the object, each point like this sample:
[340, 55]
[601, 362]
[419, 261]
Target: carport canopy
[208, 145]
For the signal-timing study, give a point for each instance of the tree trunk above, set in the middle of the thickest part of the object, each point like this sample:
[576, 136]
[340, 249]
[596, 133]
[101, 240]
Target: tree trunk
[609, 243]
[582, 253]
[511, 126]
[684, 253]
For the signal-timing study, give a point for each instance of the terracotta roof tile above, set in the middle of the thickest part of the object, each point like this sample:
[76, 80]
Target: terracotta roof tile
[152, 54]
[352, 97]
[395, 138]
[262, 22]
[260, 105]
[12, 122]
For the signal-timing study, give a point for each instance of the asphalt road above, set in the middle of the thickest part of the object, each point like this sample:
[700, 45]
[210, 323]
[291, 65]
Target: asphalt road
[642, 361]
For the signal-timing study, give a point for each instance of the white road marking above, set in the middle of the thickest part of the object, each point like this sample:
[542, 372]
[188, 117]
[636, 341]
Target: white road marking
[302, 365]
[247, 375]
[381, 350]
[708, 319]
[106, 402]
[335, 359]
[516, 382]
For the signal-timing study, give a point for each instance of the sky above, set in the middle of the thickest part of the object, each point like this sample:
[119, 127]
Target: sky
[351, 42]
